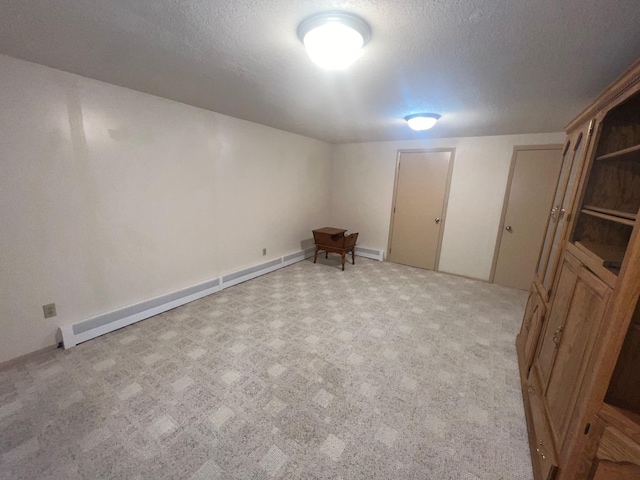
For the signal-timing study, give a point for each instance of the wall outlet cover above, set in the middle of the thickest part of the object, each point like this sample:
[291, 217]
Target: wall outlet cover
[49, 310]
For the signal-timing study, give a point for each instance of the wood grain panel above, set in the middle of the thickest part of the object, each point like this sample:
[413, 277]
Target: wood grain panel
[622, 128]
[615, 184]
[616, 471]
[624, 420]
[574, 343]
[617, 447]
[624, 389]
[593, 230]
[564, 292]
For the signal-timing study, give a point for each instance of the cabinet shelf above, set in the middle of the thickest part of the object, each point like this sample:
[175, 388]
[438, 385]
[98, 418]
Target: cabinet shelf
[611, 215]
[619, 153]
[608, 211]
[608, 253]
[624, 420]
[599, 253]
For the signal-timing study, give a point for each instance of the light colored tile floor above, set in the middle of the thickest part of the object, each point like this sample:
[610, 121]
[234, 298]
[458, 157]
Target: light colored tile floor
[379, 372]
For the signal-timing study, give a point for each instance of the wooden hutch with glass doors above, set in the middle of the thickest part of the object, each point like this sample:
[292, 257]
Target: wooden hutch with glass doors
[579, 345]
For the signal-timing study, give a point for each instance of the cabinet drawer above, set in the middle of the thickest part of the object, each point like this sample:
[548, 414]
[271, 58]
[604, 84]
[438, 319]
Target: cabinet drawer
[543, 451]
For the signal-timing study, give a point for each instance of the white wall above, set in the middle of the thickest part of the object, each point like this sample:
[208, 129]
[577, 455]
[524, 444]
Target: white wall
[109, 197]
[362, 194]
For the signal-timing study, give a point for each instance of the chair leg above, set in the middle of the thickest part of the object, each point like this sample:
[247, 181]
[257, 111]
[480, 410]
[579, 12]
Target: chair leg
[343, 255]
[326, 255]
[315, 255]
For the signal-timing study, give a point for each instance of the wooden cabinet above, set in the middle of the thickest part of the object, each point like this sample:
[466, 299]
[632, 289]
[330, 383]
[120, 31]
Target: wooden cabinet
[579, 345]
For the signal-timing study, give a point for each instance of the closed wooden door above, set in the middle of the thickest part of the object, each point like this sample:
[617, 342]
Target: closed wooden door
[534, 176]
[418, 210]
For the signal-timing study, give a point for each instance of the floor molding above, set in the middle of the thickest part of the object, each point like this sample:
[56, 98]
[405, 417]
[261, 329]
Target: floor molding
[26, 358]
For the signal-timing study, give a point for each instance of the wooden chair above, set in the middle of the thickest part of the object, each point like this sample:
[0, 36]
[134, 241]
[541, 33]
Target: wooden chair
[335, 244]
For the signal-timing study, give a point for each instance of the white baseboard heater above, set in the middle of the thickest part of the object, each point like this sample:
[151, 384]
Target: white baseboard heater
[85, 330]
[372, 253]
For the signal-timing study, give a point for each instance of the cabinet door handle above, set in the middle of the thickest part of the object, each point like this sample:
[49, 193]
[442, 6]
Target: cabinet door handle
[554, 211]
[540, 451]
[557, 335]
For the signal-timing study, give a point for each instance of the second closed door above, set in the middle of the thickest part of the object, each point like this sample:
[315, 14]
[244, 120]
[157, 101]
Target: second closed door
[534, 177]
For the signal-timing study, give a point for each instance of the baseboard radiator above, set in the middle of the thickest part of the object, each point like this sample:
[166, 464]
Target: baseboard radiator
[85, 330]
[372, 253]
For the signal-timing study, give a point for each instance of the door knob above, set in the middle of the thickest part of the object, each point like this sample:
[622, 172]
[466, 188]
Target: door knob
[508, 228]
[437, 219]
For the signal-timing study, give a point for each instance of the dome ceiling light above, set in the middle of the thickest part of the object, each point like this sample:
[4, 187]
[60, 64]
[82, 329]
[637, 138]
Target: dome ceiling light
[334, 40]
[422, 121]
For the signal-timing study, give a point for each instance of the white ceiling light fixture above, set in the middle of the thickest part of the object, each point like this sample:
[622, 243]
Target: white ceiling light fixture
[422, 121]
[334, 40]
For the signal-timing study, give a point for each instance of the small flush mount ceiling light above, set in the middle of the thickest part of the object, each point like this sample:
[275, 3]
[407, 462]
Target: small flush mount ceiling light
[334, 40]
[422, 121]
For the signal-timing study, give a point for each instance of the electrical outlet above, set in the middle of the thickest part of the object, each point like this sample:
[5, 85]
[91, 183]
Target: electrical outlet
[49, 310]
[264, 252]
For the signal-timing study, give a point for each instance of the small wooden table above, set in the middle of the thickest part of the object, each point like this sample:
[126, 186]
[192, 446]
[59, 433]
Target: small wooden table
[329, 239]
[334, 232]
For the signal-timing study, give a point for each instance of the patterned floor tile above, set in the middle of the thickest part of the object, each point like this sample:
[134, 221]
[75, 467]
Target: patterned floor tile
[381, 371]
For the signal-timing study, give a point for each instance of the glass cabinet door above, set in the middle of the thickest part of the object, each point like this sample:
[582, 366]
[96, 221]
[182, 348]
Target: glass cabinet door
[563, 214]
[553, 217]
[560, 211]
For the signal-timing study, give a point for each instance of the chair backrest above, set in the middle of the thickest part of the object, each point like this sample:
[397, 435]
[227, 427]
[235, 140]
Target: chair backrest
[350, 240]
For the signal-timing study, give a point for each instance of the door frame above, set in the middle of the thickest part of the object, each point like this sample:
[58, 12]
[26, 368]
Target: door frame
[445, 203]
[505, 200]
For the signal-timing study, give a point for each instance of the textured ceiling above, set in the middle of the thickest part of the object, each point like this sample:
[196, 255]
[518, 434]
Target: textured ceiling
[487, 66]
